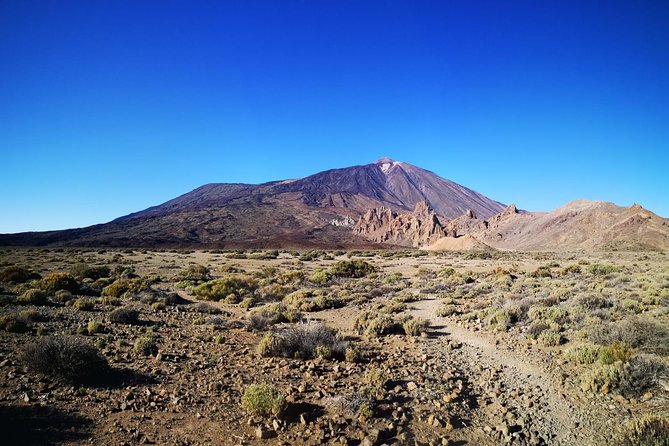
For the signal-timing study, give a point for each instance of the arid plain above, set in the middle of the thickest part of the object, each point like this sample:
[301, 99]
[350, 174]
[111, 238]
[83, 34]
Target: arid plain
[332, 347]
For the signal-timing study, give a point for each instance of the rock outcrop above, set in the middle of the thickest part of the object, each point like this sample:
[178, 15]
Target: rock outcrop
[420, 227]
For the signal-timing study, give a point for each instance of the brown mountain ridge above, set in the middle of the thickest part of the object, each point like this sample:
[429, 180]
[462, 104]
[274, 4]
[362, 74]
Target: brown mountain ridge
[383, 204]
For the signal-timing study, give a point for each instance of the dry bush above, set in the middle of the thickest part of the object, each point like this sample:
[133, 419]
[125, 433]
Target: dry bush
[65, 358]
[647, 431]
[644, 335]
[124, 315]
[17, 274]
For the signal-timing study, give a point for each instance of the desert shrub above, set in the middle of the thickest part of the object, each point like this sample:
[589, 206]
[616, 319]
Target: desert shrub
[272, 291]
[415, 326]
[535, 330]
[641, 373]
[65, 358]
[13, 323]
[447, 310]
[550, 338]
[290, 277]
[94, 326]
[320, 277]
[304, 341]
[648, 431]
[84, 304]
[84, 271]
[473, 255]
[542, 271]
[232, 289]
[32, 296]
[125, 287]
[277, 312]
[644, 335]
[572, 269]
[352, 354]
[598, 269]
[194, 275]
[583, 354]
[32, 315]
[257, 322]
[323, 302]
[124, 315]
[501, 320]
[376, 324]
[205, 308]
[263, 400]
[592, 302]
[58, 281]
[613, 353]
[63, 296]
[146, 346]
[632, 306]
[602, 378]
[270, 345]
[17, 274]
[352, 269]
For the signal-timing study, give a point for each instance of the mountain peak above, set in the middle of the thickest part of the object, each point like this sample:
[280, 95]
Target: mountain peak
[384, 160]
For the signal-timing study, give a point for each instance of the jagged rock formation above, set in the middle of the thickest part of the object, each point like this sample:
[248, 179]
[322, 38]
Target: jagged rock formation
[418, 228]
[577, 225]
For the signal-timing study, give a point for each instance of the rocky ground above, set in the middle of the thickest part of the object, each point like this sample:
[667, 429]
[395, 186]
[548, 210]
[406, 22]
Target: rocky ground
[459, 382]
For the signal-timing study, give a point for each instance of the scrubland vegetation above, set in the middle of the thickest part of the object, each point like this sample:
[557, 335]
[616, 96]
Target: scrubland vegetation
[340, 347]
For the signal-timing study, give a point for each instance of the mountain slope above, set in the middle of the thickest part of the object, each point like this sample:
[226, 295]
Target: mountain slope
[580, 224]
[313, 211]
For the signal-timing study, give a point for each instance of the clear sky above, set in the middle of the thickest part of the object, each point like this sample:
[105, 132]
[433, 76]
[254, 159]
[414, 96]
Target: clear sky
[108, 107]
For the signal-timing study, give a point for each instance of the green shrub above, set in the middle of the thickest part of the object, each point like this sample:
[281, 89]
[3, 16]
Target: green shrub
[13, 323]
[84, 304]
[58, 281]
[125, 287]
[602, 378]
[599, 269]
[270, 345]
[277, 312]
[17, 274]
[146, 346]
[84, 271]
[501, 320]
[65, 358]
[32, 296]
[320, 277]
[352, 269]
[535, 330]
[550, 338]
[415, 326]
[229, 288]
[376, 324]
[195, 274]
[95, 327]
[63, 296]
[613, 353]
[263, 400]
[583, 354]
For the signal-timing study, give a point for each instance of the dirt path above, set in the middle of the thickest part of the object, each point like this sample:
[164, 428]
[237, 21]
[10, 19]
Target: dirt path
[514, 393]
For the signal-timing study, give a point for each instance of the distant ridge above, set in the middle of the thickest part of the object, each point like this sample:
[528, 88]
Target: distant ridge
[286, 213]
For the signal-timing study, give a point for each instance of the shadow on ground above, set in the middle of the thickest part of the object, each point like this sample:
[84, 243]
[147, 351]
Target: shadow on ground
[31, 425]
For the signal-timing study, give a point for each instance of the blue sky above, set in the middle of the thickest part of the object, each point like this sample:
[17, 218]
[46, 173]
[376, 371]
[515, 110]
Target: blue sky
[109, 107]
